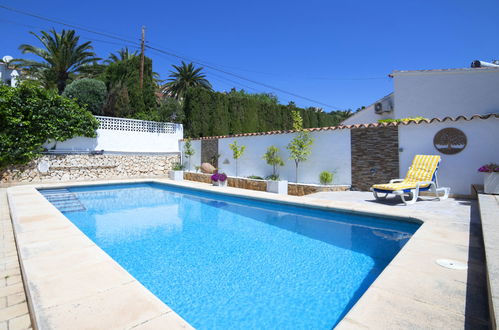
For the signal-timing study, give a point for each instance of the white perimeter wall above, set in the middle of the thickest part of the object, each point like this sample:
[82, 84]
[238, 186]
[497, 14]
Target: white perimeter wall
[195, 160]
[457, 171]
[446, 93]
[330, 152]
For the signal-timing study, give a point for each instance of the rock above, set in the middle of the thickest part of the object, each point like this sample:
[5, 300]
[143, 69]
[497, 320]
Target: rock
[207, 168]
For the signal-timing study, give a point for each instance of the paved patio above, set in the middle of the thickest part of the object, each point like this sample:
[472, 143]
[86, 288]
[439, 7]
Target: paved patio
[13, 305]
[465, 296]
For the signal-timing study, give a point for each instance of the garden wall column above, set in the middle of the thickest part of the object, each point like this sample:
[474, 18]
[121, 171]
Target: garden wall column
[375, 156]
[209, 152]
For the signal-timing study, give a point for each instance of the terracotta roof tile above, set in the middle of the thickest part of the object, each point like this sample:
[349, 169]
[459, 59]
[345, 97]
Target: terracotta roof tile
[356, 126]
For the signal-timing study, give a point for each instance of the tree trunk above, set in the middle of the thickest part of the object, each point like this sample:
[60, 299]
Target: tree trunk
[296, 172]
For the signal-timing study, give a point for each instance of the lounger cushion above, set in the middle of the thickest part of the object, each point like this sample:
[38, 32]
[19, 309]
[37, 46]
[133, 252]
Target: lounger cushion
[422, 169]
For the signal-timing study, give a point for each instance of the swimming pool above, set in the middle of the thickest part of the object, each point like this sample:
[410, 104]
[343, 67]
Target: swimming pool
[229, 262]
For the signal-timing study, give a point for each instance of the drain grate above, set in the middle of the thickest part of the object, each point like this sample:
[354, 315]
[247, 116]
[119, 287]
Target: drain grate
[452, 264]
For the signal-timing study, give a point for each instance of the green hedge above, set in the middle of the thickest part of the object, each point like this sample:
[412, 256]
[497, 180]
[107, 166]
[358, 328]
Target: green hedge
[209, 113]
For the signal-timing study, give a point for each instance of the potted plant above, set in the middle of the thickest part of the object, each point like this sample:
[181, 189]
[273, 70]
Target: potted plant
[491, 179]
[219, 179]
[275, 185]
[177, 172]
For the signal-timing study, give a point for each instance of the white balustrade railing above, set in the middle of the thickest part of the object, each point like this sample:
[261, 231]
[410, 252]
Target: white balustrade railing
[135, 125]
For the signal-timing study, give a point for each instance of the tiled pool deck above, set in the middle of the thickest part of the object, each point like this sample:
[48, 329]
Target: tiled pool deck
[73, 284]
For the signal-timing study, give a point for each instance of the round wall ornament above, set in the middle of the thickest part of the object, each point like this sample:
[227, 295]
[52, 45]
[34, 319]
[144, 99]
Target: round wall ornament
[43, 166]
[450, 141]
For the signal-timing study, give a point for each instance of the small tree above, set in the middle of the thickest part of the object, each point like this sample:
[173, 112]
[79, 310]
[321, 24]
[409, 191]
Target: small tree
[237, 151]
[273, 158]
[301, 146]
[189, 152]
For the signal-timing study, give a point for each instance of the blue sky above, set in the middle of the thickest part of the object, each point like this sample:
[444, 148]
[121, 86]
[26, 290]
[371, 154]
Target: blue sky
[338, 53]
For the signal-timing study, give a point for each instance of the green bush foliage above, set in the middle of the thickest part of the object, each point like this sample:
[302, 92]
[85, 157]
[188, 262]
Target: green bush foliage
[326, 177]
[31, 116]
[209, 113]
[125, 98]
[89, 93]
[255, 177]
[168, 110]
[177, 167]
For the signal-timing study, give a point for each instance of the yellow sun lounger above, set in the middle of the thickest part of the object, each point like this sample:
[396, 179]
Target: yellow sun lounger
[422, 176]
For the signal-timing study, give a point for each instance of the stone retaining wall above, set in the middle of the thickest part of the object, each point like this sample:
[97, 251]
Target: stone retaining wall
[64, 168]
[261, 185]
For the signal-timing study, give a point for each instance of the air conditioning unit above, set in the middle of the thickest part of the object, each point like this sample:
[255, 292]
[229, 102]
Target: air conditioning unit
[380, 107]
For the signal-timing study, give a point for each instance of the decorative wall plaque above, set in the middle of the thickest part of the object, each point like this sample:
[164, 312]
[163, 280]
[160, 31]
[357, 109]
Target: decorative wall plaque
[450, 141]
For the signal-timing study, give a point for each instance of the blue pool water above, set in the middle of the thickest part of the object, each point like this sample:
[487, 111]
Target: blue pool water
[228, 262]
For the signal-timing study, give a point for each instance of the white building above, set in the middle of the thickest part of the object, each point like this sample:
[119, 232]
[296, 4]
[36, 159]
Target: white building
[435, 94]
[8, 75]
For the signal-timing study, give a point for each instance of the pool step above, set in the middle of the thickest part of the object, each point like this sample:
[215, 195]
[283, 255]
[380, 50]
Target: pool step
[64, 200]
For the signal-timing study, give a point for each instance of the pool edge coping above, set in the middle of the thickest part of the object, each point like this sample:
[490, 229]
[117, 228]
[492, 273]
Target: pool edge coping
[345, 207]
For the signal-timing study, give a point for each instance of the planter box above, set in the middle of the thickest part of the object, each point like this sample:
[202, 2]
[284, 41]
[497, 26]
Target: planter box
[176, 175]
[491, 183]
[277, 187]
[220, 183]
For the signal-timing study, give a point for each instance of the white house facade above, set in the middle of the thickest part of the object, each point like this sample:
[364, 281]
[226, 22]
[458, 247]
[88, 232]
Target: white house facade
[436, 93]
[8, 75]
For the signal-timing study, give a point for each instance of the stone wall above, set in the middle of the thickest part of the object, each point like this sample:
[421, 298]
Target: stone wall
[306, 189]
[375, 156]
[261, 185]
[64, 168]
[209, 152]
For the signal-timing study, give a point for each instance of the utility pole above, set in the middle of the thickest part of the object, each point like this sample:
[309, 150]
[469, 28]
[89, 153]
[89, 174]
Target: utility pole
[142, 57]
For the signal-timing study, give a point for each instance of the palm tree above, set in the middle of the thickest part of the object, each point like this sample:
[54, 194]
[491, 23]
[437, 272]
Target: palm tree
[62, 57]
[184, 77]
[122, 55]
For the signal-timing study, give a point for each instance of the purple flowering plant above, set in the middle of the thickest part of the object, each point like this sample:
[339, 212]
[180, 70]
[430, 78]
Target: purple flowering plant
[489, 168]
[218, 177]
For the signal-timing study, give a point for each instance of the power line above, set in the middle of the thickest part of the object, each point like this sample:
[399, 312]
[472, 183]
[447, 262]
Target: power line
[104, 34]
[243, 78]
[169, 53]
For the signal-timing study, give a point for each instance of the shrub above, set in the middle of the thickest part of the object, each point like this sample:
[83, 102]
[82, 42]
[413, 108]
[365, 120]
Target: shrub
[177, 167]
[255, 177]
[31, 116]
[326, 177]
[89, 93]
